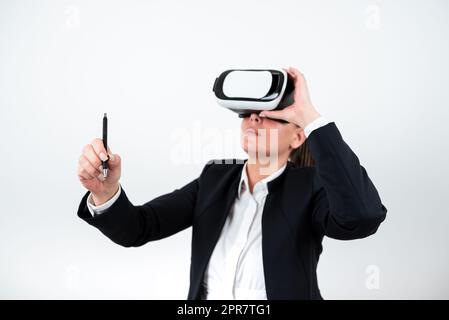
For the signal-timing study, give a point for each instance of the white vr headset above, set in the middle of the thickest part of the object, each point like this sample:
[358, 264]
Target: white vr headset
[246, 91]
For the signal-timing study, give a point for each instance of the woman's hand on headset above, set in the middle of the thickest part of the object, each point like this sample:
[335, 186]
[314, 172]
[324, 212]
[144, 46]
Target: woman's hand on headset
[301, 112]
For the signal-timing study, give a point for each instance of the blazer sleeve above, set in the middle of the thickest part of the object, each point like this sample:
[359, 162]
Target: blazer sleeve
[134, 225]
[346, 204]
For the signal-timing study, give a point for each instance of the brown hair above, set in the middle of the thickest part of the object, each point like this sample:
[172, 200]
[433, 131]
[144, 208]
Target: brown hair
[301, 156]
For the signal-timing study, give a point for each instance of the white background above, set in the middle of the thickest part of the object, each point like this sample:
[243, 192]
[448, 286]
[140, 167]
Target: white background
[379, 69]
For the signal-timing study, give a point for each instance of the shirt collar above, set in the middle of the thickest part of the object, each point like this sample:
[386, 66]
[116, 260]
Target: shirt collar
[263, 183]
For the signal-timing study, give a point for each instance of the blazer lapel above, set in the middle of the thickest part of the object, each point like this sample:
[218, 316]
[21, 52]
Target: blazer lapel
[210, 225]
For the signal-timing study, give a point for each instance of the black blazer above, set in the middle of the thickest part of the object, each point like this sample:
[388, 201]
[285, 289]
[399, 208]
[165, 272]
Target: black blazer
[335, 198]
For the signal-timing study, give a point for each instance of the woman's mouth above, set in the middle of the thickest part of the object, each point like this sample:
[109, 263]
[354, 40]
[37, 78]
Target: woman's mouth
[250, 132]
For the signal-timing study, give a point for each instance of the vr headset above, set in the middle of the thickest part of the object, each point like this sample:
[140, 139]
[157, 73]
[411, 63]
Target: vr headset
[247, 91]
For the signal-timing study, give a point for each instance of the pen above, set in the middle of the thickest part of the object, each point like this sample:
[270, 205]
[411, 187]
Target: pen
[105, 143]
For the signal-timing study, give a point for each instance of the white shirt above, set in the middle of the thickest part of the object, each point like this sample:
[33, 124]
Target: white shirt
[235, 269]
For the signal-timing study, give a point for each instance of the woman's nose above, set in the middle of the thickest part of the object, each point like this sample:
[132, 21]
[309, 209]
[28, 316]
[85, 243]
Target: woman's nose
[254, 117]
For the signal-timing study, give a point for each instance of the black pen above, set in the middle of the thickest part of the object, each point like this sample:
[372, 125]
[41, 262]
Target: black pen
[105, 143]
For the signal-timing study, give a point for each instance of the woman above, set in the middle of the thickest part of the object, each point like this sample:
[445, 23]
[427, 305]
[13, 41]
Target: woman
[257, 226]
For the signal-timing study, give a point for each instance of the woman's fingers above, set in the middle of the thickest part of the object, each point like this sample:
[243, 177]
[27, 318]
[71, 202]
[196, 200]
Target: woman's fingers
[98, 146]
[295, 71]
[114, 160]
[83, 175]
[92, 156]
[86, 169]
[291, 74]
[301, 79]
[301, 89]
[297, 75]
[279, 114]
[298, 80]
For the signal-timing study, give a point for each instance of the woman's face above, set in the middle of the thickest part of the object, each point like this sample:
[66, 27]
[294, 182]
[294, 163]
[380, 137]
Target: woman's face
[263, 137]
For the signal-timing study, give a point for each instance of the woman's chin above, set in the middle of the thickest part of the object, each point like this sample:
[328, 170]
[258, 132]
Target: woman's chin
[250, 150]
